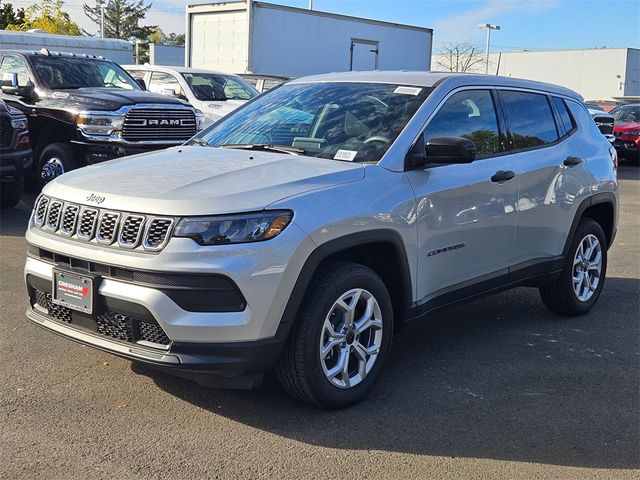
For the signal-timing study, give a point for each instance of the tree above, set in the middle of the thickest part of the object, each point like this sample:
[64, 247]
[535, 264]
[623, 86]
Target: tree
[48, 16]
[9, 16]
[174, 39]
[459, 57]
[123, 20]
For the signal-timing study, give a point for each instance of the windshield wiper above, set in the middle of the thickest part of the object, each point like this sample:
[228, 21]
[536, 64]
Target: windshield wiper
[264, 146]
[199, 141]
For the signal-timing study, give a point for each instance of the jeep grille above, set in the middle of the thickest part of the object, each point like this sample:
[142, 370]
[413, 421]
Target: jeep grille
[106, 227]
[159, 124]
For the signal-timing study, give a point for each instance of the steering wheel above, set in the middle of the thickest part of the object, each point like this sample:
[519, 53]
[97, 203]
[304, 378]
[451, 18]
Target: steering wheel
[377, 138]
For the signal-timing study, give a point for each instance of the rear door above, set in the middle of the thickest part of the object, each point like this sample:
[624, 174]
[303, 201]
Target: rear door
[465, 215]
[550, 165]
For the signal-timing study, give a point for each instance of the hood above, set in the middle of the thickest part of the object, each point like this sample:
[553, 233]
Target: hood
[108, 98]
[193, 180]
[3, 106]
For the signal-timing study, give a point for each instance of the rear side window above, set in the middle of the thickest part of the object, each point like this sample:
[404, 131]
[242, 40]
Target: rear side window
[469, 114]
[565, 119]
[530, 119]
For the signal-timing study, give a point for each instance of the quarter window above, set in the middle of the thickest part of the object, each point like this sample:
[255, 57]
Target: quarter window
[469, 114]
[530, 119]
[565, 118]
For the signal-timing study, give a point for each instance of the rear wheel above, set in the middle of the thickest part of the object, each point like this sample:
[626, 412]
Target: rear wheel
[11, 192]
[583, 275]
[341, 338]
[55, 160]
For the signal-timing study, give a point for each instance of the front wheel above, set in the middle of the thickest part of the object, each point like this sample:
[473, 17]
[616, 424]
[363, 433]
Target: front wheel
[55, 160]
[341, 338]
[582, 278]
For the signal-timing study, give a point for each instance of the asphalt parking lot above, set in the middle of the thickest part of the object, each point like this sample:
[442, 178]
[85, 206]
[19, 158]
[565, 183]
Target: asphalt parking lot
[497, 389]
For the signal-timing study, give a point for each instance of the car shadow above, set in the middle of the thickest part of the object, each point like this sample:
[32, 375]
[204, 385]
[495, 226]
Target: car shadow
[628, 172]
[14, 221]
[499, 378]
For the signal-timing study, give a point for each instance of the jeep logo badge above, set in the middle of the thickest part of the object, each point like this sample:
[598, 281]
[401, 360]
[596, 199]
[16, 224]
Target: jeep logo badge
[97, 199]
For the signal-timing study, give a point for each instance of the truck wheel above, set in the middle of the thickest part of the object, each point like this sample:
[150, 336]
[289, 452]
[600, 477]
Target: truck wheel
[11, 192]
[341, 338]
[55, 160]
[582, 278]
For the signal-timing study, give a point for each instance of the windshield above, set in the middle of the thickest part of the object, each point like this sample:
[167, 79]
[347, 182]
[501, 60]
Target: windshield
[343, 121]
[59, 73]
[626, 114]
[212, 86]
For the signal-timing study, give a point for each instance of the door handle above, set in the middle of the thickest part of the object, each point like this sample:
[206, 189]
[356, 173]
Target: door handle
[572, 161]
[502, 176]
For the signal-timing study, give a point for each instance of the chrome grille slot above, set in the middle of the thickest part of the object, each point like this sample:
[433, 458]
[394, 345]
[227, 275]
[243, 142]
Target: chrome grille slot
[69, 217]
[157, 233]
[130, 231]
[41, 210]
[53, 215]
[159, 124]
[87, 223]
[108, 227]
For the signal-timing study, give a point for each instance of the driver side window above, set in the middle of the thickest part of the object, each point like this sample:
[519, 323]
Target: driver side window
[469, 114]
[11, 64]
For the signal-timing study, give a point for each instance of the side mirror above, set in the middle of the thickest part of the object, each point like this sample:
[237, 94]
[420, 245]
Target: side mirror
[142, 83]
[10, 86]
[450, 150]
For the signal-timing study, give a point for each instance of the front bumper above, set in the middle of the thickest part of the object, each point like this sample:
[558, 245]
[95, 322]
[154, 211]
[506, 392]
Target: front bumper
[235, 329]
[626, 146]
[100, 152]
[14, 164]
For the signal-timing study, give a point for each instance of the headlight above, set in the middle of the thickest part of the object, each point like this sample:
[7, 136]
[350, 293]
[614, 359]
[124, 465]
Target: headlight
[20, 124]
[200, 120]
[99, 123]
[220, 230]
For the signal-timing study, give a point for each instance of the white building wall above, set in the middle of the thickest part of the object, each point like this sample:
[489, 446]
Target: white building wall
[596, 74]
[120, 51]
[298, 43]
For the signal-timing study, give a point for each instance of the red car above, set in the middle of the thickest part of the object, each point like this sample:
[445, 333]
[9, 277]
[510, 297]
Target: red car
[627, 131]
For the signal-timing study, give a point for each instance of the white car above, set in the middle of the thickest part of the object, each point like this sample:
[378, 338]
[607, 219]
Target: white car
[213, 93]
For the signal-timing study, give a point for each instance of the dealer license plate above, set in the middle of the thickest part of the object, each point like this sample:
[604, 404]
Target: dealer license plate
[73, 290]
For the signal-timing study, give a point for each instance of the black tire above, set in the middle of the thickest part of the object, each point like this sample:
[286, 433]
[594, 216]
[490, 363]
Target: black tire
[299, 369]
[559, 296]
[11, 192]
[55, 159]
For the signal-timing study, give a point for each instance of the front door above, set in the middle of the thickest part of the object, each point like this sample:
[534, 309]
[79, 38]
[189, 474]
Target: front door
[465, 213]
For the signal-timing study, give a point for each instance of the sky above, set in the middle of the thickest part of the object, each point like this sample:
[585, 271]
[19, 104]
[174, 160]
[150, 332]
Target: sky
[531, 25]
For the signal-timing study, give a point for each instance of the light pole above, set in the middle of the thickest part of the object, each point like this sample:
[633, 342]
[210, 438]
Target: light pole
[310, 4]
[104, 5]
[489, 27]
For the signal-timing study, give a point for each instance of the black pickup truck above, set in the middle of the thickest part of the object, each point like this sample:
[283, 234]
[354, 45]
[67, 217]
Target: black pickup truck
[15, 154]
[84, 109]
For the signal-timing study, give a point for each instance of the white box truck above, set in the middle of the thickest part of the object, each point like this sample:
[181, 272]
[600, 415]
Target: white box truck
[120, 51]
[262, 38]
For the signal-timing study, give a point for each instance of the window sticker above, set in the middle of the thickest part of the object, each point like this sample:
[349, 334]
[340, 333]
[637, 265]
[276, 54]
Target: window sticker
[348, 155]
[408, 90]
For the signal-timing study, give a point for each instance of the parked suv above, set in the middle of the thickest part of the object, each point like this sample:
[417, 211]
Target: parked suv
[15, 154]
[298, 232]
[214, 93]
[84, 109]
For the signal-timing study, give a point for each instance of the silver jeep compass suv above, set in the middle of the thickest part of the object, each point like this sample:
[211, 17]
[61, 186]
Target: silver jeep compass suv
[298, 231]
